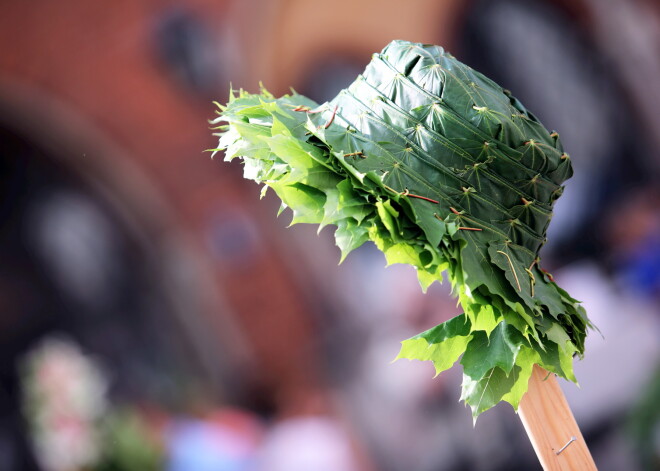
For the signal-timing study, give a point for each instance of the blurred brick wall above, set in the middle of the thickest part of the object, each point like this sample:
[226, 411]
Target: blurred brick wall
[100, 61]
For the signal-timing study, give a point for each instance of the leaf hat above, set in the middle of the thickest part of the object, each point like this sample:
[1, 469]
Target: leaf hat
[444, 170]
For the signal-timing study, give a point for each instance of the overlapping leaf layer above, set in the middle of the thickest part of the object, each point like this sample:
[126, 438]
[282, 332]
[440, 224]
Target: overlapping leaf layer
[443, 170]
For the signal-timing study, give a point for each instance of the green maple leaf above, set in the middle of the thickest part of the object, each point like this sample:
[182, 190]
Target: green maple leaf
[484, 392]
[442, 344]
[484, 352]
[349, 235]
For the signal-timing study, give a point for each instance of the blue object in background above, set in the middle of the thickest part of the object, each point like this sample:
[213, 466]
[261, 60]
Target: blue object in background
[640, 270]
[196, 445]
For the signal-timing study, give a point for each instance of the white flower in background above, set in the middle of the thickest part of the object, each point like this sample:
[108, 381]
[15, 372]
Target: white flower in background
[64, 396]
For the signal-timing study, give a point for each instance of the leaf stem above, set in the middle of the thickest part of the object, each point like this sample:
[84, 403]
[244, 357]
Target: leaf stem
[512, 269]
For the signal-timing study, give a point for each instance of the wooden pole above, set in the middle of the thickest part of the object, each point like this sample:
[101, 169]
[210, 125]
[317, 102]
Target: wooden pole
[551, 427]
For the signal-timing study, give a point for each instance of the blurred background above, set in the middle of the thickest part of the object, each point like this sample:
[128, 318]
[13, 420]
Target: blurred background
[154, 314]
